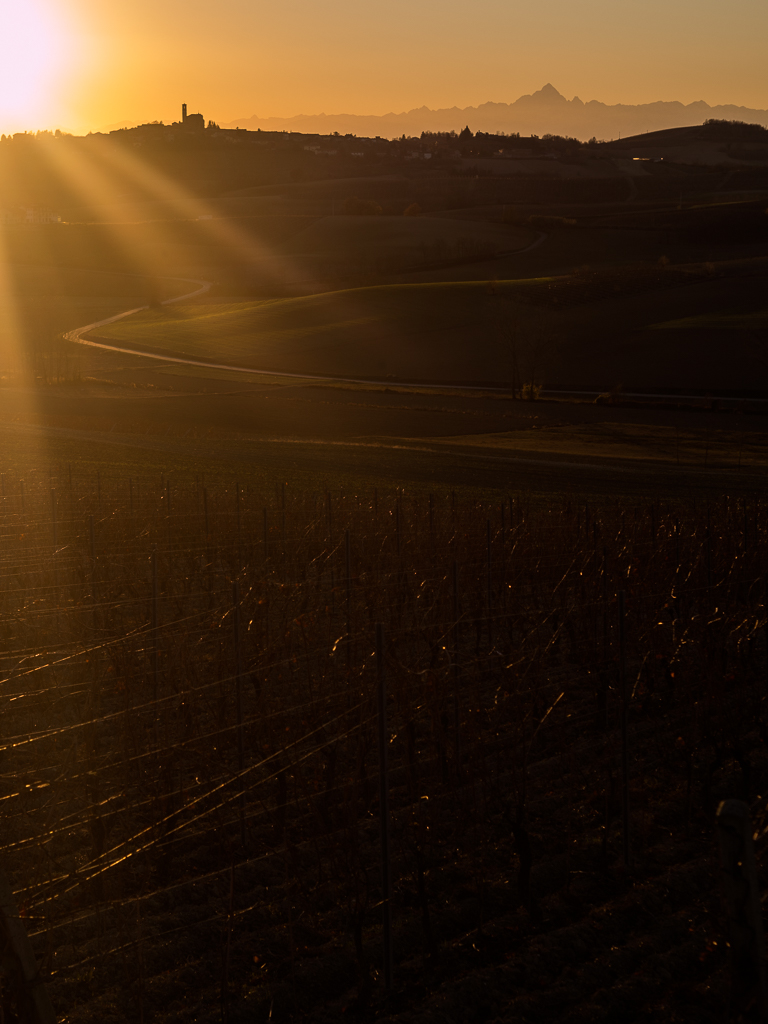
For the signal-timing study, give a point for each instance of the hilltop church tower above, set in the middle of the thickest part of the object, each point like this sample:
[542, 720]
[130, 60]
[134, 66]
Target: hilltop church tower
[194, 121]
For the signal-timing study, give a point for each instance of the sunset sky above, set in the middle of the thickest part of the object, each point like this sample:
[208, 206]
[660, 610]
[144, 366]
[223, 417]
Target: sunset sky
[84, 64]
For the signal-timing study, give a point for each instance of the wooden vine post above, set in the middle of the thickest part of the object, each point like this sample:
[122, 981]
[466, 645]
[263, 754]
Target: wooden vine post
[624, 694]
[239, 702]
[386, 872]
[154, 623]
[348, 568]
[31, 990]
[489, 596]
[456, 671]
[53, 517]
[742, 901]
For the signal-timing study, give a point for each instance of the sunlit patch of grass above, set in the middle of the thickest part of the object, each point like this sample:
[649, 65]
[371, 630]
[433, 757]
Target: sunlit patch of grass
[755, 321]
[216, 454]
[254, 377]
[638, 442]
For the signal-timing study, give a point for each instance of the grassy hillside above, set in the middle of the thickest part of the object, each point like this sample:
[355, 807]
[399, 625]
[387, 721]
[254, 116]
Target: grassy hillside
[422, 331]
[571, 331]
[753, 321]
[413, 240]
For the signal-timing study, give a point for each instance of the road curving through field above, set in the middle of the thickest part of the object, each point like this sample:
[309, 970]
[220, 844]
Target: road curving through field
[76, 336]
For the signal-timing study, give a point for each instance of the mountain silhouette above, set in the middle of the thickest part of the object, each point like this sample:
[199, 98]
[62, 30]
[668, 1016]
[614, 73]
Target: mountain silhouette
[545, 111]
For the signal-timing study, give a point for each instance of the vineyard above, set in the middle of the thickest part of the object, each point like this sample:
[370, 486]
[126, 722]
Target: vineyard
[247, 729]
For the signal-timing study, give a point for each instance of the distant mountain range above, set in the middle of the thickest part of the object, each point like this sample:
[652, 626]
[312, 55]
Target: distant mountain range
[545, 111]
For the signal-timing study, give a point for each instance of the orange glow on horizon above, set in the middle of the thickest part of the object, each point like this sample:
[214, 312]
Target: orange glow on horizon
[86, 65]
[94, 175]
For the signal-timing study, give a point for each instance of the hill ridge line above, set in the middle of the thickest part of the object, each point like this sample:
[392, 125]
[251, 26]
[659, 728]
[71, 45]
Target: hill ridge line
[545, 111]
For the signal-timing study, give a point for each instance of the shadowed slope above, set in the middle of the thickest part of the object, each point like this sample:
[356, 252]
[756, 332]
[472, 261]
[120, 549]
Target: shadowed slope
[443, 331]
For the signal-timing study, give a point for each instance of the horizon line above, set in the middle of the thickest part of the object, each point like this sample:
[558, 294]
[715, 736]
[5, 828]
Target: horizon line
[83, 130]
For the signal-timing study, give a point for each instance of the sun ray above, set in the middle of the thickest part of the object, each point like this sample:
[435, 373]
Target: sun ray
[17, 365]
[98, 172]
[251, 251]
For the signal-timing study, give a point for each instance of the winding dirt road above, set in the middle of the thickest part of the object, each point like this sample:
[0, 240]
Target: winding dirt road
[76, 336]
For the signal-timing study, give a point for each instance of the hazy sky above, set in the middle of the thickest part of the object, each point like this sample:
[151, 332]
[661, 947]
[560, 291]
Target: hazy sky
[88, 63]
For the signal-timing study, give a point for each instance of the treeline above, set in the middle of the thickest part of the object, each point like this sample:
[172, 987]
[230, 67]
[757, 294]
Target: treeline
[494, 144]
[734, 131]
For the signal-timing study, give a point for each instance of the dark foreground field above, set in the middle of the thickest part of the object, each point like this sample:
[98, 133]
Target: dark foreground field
[191, 805]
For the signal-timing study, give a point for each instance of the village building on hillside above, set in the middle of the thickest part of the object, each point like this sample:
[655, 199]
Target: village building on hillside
[28, 215]
[196, 122]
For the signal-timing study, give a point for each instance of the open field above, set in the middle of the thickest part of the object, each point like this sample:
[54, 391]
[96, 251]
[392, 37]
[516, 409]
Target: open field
[754, 321]
[397, 242]
[358, 437]
[420, 435]
[639, 442]
[574, 330]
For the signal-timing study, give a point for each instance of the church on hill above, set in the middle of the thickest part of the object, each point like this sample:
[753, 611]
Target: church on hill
[194, 121]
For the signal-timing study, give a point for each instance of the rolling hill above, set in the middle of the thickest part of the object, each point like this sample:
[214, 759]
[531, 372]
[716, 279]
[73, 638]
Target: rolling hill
[567, 331]
[430, 331]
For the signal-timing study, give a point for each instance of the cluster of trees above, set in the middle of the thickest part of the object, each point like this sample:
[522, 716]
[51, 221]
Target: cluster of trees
[45, 135]
[734, 131]
[488, 144]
